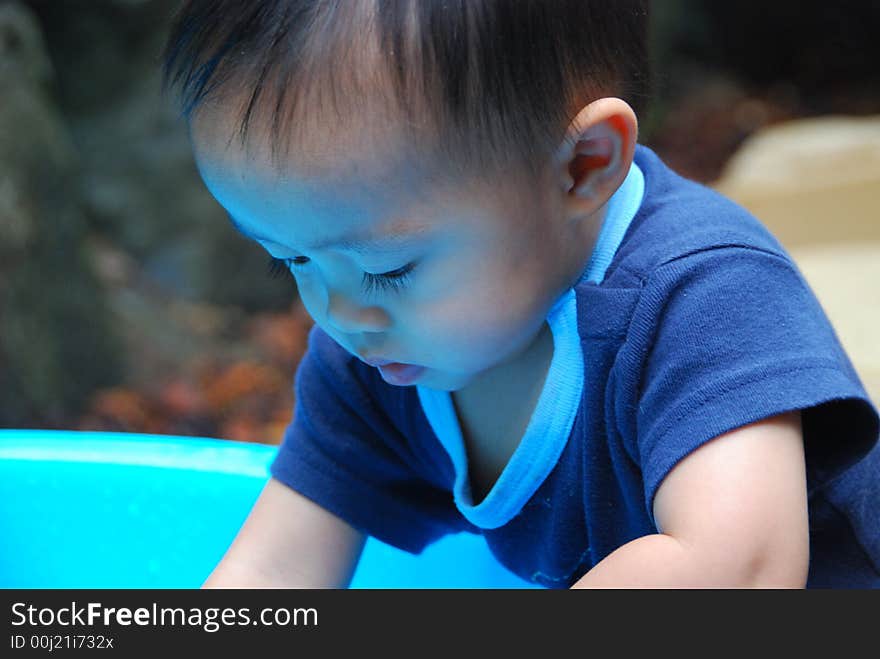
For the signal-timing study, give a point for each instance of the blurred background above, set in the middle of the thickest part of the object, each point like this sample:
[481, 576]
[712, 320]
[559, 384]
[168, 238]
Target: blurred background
[128, 303]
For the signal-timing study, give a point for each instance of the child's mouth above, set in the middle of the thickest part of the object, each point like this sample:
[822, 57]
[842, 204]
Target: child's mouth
[401, 374]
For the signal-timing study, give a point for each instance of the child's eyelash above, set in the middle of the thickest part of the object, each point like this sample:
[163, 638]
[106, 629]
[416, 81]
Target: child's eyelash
[394, 280]
[277, 268]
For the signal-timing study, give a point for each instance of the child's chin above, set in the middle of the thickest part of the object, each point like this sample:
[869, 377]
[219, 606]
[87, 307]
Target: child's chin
[440, 381]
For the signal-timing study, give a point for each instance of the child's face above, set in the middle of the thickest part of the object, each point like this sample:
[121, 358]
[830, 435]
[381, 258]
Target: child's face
[485, 262]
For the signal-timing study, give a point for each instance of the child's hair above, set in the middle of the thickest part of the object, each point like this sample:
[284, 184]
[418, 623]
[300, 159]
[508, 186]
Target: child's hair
[488, 85]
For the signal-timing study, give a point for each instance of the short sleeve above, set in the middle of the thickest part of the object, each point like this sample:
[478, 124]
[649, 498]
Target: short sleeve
[732, 335]
[342, 451]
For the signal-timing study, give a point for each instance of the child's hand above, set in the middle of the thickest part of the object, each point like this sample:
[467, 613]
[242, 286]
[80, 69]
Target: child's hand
[289, 541]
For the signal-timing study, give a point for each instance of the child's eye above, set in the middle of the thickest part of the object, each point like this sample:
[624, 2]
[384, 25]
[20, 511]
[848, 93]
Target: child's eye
[394, 280]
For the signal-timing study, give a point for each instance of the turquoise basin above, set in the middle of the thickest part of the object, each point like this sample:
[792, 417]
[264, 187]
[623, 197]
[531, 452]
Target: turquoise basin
[119, 510]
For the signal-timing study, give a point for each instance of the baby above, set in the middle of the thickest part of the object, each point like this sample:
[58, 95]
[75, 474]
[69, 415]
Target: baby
[526, 325]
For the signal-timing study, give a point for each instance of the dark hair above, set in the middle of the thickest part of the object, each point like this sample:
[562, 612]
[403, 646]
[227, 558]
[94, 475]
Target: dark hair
[487, 84]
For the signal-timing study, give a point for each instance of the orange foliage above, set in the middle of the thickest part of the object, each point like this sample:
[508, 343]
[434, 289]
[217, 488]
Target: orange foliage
[248, 400]
[124, 410]
[239, 381]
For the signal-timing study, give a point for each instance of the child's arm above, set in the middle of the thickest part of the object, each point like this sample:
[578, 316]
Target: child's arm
[288, 541]
[733, 513]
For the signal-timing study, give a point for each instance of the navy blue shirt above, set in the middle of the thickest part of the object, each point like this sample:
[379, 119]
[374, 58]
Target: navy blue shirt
[691, 320]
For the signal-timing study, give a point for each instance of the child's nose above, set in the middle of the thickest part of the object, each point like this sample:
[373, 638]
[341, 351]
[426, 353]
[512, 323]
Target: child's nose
[351, 317]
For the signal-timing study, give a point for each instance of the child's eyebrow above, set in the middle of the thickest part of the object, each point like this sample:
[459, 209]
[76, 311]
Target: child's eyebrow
[394, 237]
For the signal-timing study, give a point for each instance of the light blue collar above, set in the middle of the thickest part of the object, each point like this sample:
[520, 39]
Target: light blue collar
[548, 429]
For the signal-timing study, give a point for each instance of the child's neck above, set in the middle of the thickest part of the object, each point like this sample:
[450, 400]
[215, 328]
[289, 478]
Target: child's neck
[494, 410]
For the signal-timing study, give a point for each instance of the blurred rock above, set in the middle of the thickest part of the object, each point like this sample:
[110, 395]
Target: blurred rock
[139, 181]
[723, 70]
[118, 270]
[813, 181]
[57, 344]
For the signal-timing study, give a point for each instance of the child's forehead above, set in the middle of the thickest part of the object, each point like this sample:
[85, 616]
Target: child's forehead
[312, 144]
[337, 161]
[350, 191]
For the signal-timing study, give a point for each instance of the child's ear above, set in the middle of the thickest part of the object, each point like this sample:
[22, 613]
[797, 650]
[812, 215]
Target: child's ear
[596, 155]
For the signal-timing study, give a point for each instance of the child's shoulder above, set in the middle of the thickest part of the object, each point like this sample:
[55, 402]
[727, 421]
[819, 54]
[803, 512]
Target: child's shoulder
[679, 217]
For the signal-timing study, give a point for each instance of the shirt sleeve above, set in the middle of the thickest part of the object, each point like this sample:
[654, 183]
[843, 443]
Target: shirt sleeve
[342, 451]
[732, 335]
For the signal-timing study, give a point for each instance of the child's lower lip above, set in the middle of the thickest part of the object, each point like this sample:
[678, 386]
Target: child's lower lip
[401, 374]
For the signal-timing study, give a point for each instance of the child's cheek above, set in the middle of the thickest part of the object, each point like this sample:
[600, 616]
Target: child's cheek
[310, 293]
